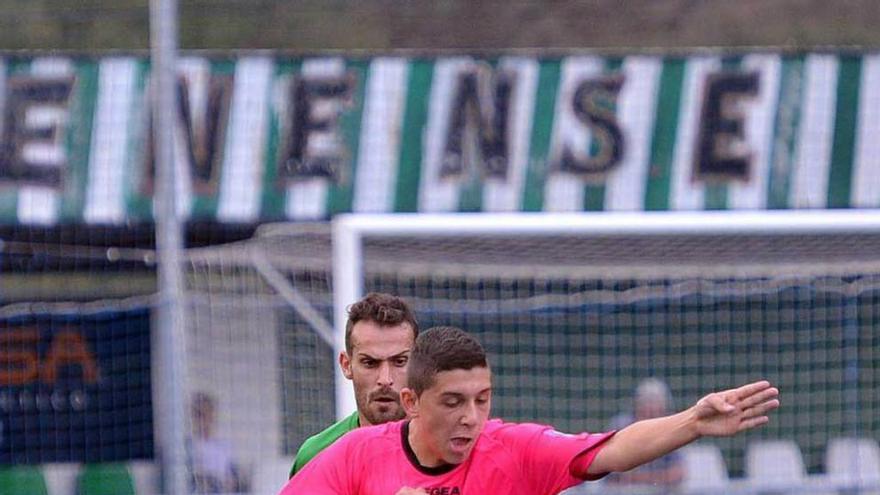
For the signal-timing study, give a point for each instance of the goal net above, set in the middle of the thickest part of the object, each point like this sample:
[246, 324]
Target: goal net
[573, 318]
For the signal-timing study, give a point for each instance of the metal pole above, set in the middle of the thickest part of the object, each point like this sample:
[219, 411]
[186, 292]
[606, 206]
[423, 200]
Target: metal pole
[171, 313]
[348, 287]
[621, 223]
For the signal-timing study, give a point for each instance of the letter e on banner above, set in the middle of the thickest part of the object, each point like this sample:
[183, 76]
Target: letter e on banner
[32, 149]
[722, 151]
[314, 147]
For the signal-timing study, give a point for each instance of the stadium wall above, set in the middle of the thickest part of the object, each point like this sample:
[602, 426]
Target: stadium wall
[269, 137]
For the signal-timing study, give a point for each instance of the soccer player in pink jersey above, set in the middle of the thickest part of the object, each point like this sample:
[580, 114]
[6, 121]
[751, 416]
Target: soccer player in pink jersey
[448, 446]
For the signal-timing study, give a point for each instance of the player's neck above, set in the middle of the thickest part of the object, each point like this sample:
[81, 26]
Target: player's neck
[419, 443]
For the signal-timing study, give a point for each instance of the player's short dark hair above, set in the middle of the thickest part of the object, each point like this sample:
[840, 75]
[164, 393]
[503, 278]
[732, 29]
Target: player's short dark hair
[442, 349]
[383, 309]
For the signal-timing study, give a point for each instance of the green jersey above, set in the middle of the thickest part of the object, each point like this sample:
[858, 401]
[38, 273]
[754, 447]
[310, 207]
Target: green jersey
[316, 443]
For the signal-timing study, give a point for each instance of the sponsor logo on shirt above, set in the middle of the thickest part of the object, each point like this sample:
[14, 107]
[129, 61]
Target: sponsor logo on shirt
[444, 490]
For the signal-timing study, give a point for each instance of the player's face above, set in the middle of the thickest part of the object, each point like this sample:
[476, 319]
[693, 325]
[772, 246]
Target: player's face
[449, 417]
[377, 369]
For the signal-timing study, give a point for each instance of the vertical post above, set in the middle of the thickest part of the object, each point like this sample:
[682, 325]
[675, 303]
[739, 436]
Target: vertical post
[347, 288]
[852, 369]
[169, 329]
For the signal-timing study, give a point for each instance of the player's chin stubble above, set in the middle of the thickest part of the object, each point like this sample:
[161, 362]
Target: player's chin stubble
[382, 412]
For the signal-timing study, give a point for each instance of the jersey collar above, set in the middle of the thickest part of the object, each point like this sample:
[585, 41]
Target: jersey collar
[411, 455]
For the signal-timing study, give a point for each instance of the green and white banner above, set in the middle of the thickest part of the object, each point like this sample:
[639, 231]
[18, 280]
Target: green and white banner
[267, 138]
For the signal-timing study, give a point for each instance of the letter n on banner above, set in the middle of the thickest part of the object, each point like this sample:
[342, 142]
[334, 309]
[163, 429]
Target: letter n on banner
[479, 115]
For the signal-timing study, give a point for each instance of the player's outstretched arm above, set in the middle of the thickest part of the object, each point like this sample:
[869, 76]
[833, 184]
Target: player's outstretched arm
[718, 414]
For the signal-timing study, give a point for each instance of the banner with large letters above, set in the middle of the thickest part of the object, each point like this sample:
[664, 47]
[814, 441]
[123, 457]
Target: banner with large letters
[265, 137]
[75, 384]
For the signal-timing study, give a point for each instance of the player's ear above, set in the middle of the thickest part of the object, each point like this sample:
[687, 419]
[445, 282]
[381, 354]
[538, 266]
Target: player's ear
[410, 402]
[345, 364]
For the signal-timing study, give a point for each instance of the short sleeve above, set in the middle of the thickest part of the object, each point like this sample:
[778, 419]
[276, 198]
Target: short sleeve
[547, 454]
[300, 459]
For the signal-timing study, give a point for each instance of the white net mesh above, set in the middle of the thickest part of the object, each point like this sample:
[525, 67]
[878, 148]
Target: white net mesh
[574, 322]
[267, 368]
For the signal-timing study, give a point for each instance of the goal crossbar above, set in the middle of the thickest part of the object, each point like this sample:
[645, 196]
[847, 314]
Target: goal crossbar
[349, 232]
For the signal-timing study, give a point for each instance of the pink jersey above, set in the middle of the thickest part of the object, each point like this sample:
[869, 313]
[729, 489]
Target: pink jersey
[508, 459]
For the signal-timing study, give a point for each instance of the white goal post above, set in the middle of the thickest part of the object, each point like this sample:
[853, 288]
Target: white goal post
[349, 232]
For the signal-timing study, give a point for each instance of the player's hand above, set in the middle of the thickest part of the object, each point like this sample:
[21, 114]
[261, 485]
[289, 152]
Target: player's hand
[732, 411]
[411, 491]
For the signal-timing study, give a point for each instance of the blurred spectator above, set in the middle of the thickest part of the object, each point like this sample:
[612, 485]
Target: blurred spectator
[652, 399]
[212, 466]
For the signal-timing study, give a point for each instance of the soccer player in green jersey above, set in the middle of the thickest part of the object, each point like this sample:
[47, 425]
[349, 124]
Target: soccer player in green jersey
[379, 335]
